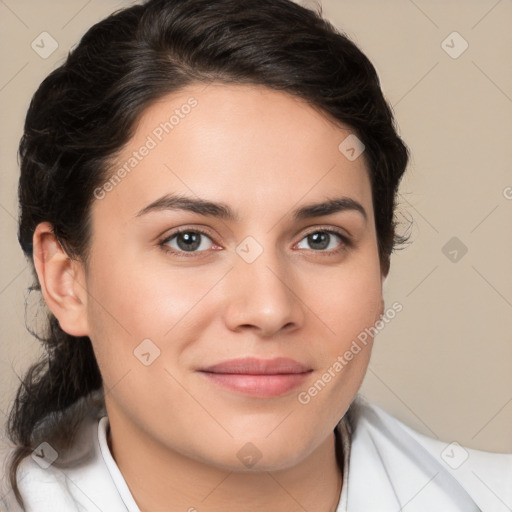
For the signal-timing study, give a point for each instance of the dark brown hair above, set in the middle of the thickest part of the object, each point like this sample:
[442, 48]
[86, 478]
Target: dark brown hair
[86, 110]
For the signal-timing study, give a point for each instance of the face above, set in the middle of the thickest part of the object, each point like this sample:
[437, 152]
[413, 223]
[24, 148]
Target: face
[165, 311]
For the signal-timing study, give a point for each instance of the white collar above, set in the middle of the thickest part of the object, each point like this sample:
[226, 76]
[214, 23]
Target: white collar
[391, 467]
[115, 473]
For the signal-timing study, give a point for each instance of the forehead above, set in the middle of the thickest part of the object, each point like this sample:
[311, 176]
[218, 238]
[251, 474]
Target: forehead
[245, 145]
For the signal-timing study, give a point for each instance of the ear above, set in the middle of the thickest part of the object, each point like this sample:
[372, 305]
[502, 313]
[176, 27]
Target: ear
[62, 281]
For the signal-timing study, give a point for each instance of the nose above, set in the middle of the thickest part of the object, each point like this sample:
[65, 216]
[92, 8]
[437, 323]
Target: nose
[263, 296]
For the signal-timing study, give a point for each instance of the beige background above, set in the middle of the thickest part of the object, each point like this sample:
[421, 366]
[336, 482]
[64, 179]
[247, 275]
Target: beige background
[444, 364]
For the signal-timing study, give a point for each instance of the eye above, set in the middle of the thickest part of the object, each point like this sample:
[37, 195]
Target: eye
[322, 241]
[185, 241]
[189, 242]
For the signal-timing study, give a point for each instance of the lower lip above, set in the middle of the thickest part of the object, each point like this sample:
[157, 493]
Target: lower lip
[262, 386]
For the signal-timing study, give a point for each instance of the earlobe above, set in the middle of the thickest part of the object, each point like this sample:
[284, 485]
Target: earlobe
[62, 281]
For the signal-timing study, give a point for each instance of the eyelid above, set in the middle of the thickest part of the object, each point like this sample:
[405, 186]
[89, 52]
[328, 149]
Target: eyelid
[343, 233]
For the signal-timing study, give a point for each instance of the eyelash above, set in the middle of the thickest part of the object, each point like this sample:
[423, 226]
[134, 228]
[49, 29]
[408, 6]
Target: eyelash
[345, 245]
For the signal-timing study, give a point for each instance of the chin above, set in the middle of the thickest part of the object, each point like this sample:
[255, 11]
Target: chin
[256, 454]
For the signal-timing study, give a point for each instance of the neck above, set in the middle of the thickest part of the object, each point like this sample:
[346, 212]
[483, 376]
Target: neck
[160, 478]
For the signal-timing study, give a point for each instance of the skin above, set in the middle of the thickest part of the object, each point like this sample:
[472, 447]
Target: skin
[174, 434]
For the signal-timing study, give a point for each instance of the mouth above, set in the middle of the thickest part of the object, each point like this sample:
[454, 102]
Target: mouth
[263, 378]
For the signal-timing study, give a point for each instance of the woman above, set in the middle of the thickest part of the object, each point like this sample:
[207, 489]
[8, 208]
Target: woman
[207, 195]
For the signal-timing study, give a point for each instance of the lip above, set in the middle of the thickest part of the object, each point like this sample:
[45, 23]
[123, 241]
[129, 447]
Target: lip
[264, 378]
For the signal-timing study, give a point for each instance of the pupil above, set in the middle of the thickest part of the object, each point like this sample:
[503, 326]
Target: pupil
[190, 239]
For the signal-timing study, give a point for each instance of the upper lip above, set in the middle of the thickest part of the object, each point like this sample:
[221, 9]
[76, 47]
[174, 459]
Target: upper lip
[256, 366]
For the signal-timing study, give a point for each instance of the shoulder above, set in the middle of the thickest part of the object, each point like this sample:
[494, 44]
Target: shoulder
[77, 479]
[46, 478]
[420, 468]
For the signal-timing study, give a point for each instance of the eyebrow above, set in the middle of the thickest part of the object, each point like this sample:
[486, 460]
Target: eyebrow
[225, 212]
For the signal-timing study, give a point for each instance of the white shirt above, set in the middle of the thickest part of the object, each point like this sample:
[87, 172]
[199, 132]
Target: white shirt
[388, 467]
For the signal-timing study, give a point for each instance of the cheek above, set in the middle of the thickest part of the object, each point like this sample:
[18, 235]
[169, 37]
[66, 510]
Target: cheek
[347, 302]
[131, 301]
[349, 309]
[141, 297]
